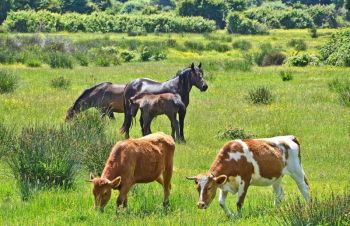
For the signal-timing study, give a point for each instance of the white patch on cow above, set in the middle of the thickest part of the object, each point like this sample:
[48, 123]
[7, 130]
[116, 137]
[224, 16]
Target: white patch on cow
[202, 182]
[256, 179]
[231, 185]
[234, 156]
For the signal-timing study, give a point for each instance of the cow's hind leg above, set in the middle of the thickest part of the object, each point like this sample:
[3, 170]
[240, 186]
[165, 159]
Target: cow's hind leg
[278, 190]
[167, 174]
[296, 171]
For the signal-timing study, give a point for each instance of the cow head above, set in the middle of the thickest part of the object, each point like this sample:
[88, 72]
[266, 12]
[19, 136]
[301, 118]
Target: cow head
[206, 187]
[102, 190]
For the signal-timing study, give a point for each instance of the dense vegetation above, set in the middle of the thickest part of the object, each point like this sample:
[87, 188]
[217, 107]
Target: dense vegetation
[147, 16]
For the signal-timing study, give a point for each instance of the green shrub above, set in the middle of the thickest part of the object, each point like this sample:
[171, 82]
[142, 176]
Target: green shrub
[8, 81]
[260, 95]
[323, 15]
[105, 56]
[127, 56]
[333, 209]
[233, 134]
[217, 46]
[43, 158]
[303, 60]
[237, 23]
[268, 55]
[313, 32]
[295, 18]
[152, 53]
[297, 44]
[30, 21]
[286, 75]
[171, 42]
[82, 59]
[33, 62]
[243, 45]
[337, 50]
[60, 83]
[194, 45]
[60, 60]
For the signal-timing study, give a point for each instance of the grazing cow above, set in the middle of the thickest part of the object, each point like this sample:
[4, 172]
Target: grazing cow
[106, 97]
[258, 162]
[152, 105]
[132, 161]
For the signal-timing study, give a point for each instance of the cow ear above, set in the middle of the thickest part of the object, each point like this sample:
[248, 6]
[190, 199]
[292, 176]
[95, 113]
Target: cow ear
[116, 182]
[92, 176]
[220, 180]
[192, 66]
[200, 65]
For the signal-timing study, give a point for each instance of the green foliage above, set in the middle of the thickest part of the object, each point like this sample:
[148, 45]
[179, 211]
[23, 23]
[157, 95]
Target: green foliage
[127, 56]
[8, 81]
[151, 53]
[297, 44]
[236, 5]
[303, 60]
[194, 45]
[217, 46]
[332, 209]
[60, 83]
[60, 60]
[268, 55]
[296, 18]
[337, 50]
[286, 75]
[210, 9]
[7, 140]
[233, 134]
[313, 32]
[323, 15]
[260, 95]
[43, 158]
[237, 23]
[30, 21]
[243, 45]
[132, 6]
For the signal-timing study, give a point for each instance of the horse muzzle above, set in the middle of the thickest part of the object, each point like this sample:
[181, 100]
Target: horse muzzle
[204, 88]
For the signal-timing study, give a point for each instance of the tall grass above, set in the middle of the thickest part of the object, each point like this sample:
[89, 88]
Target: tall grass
[260, 95]
[8, 81]
[332, 210]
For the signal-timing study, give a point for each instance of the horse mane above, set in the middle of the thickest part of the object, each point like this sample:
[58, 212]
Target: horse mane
[184, 83]
[87, 92]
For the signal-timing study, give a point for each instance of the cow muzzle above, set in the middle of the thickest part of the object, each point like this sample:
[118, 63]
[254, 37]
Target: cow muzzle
[202, 205]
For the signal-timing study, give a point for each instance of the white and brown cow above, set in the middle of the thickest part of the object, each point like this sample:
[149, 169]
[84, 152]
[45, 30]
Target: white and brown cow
[132, 161]
[258, 162]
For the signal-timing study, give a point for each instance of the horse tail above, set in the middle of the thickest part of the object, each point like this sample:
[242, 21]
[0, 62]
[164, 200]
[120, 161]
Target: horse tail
[127, 114]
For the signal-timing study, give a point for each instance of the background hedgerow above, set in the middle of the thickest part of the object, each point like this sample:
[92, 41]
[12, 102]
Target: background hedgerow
[260, 95]
[8, 81]
[337, 50]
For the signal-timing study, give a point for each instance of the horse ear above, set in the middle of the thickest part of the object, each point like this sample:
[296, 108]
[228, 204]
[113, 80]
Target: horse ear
[200, 65]
[192, 66]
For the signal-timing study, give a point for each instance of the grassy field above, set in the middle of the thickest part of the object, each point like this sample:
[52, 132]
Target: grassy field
[304, 107]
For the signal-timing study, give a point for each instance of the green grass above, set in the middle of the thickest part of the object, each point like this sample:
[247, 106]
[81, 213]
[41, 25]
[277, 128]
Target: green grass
[304, 107]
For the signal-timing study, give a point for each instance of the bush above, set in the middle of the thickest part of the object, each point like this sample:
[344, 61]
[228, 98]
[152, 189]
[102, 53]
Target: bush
[33, 62]
[260, 95]
[324, 16]
[60, 60]
[44, 158]
[286, 75]
[297, 44]
[217, 47]
[296, 18]
[233, 134]
[8, 81]
[313, 32]
[303, 60]
[269, 56]
[337, 50]
[332, 209]
[105, 56]
[60, 83]
[127, 56]
[194, 45]
[237, 23]
[30, 21]
[243, 45]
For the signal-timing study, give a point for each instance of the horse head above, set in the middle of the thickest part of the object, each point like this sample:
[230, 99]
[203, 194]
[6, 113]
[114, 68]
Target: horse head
[196, 77]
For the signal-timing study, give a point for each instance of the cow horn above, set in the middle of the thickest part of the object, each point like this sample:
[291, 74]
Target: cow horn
[191, 178]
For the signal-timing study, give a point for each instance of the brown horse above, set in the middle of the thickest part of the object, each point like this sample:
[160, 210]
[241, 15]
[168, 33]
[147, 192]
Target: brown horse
[106, 97]
[152, 105]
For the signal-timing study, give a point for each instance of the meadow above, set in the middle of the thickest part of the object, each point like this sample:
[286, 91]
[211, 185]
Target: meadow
[304, 106]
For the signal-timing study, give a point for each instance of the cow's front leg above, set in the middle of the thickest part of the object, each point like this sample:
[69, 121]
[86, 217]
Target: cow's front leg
[242, 191]
[122, 198]
[222, 201]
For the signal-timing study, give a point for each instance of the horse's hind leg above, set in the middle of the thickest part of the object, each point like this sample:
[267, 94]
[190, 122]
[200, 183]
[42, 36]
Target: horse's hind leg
[141, 123]
[147, 119]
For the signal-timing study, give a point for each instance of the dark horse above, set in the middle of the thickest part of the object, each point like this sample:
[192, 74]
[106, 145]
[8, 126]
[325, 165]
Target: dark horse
[106, 97]
[180, 84]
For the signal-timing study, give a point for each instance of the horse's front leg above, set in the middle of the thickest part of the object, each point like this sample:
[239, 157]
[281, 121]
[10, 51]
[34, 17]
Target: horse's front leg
[182, 115]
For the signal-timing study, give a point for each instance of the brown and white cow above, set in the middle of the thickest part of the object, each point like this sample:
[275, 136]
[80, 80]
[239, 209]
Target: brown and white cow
[132, 161]
[258, 162]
